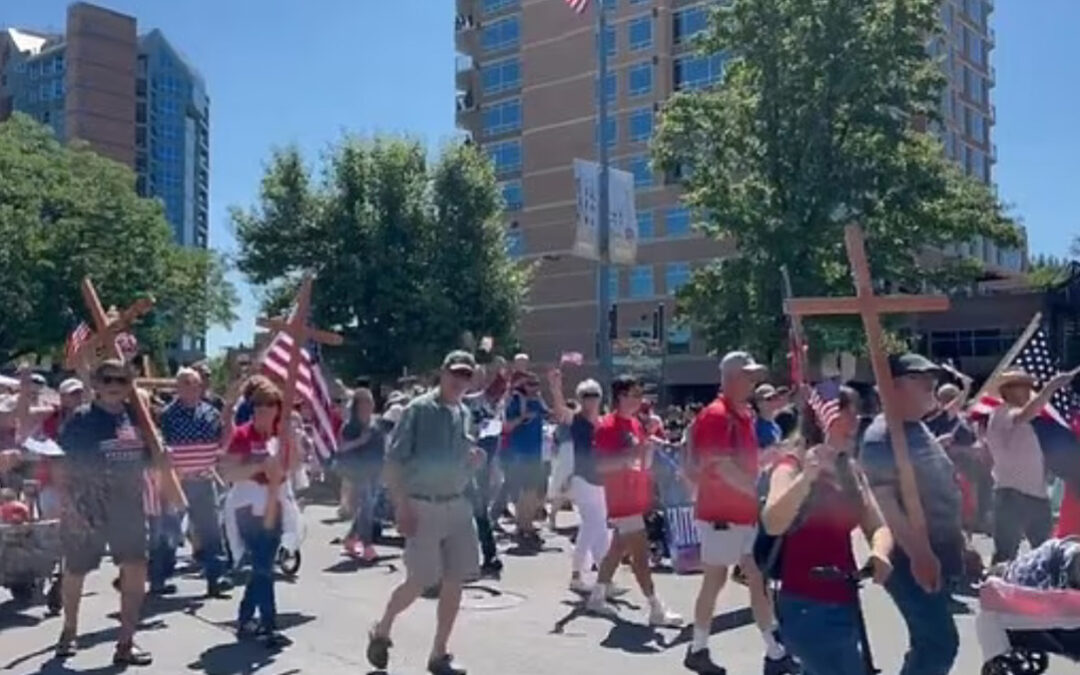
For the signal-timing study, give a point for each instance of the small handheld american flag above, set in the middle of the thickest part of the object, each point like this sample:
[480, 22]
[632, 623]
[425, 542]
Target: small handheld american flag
[311, 386]
[76, 340]
[825, 402]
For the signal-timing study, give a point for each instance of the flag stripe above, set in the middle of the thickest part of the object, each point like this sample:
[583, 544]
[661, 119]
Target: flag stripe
[310, 385]
[194, 458]
[76, 340]
[578, 6]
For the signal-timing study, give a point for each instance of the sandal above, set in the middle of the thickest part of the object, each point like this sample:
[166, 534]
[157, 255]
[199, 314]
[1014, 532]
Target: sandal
[65, 646]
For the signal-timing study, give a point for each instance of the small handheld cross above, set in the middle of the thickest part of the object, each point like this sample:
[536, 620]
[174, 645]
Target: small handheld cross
[107, 330]
[295, 327]
[870, 307]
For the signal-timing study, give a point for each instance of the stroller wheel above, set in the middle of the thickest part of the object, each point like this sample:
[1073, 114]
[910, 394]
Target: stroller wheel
[288, 563]
[998, 666]
[1029, 663]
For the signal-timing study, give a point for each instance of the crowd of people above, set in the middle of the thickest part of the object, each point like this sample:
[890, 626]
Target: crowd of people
[778, 479]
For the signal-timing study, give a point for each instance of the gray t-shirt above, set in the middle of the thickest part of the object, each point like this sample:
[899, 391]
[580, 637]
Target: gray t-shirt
[935, 474]
[431, 444]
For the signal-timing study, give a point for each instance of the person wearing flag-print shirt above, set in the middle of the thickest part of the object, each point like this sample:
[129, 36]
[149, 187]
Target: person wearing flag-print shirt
[101, 478]
[192, 429]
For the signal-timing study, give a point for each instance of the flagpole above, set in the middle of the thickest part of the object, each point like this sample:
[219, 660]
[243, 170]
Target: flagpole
[603, 268]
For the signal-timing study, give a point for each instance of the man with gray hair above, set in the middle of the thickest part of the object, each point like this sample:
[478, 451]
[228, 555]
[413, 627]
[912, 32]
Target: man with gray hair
[724, 466]
[192, 429]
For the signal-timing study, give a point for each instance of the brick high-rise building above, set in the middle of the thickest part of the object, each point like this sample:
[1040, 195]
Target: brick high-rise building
[527, 82]
[134, 99]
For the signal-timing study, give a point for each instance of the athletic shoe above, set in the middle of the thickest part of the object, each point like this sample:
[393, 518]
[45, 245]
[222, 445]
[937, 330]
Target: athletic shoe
[600, 607]
[662, 617]
[66, 646]
[701, 663]
[491, 567]
[614, 591]
[130, 654]
[785, 665]
[578, 585]
[444, 665]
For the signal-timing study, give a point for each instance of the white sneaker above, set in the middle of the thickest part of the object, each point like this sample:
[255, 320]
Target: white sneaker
[662, 617]
[600, 607]
[614, 592]
[578, 585]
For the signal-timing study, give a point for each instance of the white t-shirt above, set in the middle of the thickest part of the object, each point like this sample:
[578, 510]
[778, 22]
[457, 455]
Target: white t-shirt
[1018, 458]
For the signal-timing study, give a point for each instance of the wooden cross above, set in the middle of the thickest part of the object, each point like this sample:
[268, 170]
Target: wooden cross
[870, 307]
[106, 330]
[113, 324]
[296, 327]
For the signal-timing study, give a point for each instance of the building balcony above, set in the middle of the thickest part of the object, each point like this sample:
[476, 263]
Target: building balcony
[467, 75]
[467, 8]
[466, 34]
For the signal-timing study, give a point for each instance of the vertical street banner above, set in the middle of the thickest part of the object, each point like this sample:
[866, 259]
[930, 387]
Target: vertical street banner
[622, 212]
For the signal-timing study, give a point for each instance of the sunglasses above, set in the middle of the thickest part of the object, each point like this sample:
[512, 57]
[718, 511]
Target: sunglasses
[114, 379]
[588, 395]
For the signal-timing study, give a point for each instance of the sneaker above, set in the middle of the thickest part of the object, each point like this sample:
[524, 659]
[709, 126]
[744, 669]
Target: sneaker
[662, 617]
[370, 554]
[444, 665]
[163, 590]
[378, 650]
[491, 567]
[614, 592]
[578, 585]
[600, 607]
[247, 630]
[130, 654]
[785, 665]
[219, 589]
[701, 663]
[65, 646]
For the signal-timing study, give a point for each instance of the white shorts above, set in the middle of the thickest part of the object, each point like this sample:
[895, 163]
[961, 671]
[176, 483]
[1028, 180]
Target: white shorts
[628, 524]
[726, 547]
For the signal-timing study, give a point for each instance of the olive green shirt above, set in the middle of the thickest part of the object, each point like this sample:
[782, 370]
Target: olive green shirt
[431, 445]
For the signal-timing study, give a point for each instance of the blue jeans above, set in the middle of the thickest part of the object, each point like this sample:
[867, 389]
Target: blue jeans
[365, 495]
[165, 536]
[203, 515]
[262, 547]
[823, 636]
[933, 639]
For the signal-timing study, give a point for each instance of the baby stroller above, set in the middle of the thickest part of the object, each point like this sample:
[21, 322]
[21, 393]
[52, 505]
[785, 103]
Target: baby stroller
[1030, 609]
[30, 554]
[672, 530]
[288, 556]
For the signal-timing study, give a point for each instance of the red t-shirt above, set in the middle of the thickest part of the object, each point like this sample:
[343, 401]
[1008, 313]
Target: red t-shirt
[725, 429]
[1069, 520]
[627, 491]
[247, 443]
[821, 539]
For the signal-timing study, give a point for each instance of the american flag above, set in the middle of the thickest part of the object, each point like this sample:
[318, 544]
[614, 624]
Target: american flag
[578, 6]
[1059, 422]
[310, 385]
[75, 341]
[193, 436]
[825, 402]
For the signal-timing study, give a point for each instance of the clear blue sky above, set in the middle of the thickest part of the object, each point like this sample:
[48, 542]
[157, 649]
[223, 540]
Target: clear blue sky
[284, 71]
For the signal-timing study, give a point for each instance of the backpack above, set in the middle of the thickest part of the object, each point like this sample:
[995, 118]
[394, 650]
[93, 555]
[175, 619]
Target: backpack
[768, 549]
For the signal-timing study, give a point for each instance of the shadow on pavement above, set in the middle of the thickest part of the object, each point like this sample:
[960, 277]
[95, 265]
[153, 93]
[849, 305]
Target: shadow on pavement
[12, 615]
[84, 641]
[720, 624]
[233, 659]
[347, 565]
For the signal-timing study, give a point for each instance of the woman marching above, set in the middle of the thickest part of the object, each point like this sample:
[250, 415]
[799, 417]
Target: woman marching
[252, 462]
[816, 497]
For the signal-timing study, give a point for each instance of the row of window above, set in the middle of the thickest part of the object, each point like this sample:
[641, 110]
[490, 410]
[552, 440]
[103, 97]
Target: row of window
[502, 117]
[676, 221]
[47, 91]
[41, 67]
[641, 281]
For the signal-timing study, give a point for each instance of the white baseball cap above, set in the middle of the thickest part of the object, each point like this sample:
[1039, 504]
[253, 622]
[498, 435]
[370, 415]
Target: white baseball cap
[741, 361]
[70, 386]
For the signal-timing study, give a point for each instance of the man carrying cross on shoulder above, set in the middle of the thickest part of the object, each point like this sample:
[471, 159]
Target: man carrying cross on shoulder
[919, 584]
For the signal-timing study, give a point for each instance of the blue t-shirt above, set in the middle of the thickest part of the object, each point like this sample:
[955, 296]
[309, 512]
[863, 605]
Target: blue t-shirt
[936, 478]
[527, 439]
[104, 459]
[768, 432]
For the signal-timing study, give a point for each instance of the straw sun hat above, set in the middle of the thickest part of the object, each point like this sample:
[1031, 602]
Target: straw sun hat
[1011, 378]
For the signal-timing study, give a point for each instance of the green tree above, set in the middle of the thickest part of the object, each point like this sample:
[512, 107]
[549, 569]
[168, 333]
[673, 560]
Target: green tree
[408, 256]
[820, 120]
[67, 212]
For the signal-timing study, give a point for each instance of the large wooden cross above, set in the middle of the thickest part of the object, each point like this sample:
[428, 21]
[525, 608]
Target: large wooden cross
[113, 324]
[106, 330]
[297, 328]
[870, 307]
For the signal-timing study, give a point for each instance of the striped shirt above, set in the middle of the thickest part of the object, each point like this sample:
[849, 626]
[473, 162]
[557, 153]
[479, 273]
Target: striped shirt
[193, 436]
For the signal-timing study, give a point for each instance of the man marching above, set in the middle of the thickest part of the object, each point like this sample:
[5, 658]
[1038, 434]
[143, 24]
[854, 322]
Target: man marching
[192, 430]
[102, 484]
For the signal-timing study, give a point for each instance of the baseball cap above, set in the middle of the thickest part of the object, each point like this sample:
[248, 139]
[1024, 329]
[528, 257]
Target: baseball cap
[393, 413]
[766, 392]
[70, 386]
[741, 361]
[912, 364]
[38, 379]
[459, 361]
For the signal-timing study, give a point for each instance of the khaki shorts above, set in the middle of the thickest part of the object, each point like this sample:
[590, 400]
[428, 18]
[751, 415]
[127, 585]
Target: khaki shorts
[628, 524]
[445, 545]
[725, 547]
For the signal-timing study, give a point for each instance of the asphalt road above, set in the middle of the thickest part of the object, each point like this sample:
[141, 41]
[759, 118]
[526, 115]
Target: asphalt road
[525, 623]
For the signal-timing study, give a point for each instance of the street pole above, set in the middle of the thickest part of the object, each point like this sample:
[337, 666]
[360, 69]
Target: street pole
[603, 267]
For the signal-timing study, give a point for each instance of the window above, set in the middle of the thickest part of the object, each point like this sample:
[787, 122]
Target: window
[58, 64]
[978, 165]
[611, 41]
[641, 282]
[678, 338]
[696, 72]
[645, 228]
[515, 242]
[45, 92]
[640, 79]
[641, 125]
[501, 76]
[612, 131]
[978, 93]
[490, 6]
[978, 126]
[676, 275]
[58, 88]
[687, 23]
[512, 195]
[503, 34]
[677, 222]
[643, 174]
[639, 2]
[640, 31]
[975, 11]
[613, 283]
[610, 88]
[502, 117]
[506, 156]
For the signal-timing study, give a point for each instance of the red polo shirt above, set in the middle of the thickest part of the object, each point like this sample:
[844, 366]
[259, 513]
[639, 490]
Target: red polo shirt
[725, 429]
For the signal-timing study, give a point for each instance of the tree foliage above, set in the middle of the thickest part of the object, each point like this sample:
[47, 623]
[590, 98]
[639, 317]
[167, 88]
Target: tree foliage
[1048, 270]
[819, 120]
[408, 256]
[67, 212]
